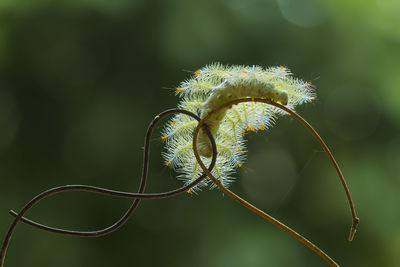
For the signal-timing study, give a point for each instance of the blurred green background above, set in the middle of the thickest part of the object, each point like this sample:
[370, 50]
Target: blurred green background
[81, 79]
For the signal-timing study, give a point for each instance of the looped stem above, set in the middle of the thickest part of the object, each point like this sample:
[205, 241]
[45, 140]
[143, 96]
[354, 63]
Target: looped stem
[136, 196]
[207, 172]
[255, 209]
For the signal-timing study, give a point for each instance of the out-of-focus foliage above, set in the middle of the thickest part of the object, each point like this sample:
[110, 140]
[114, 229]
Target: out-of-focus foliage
[80, 80]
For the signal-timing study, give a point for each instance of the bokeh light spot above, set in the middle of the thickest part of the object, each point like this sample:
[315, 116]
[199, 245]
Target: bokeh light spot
[303, 13]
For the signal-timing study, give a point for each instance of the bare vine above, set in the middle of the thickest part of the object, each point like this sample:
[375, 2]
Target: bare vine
[19, 217]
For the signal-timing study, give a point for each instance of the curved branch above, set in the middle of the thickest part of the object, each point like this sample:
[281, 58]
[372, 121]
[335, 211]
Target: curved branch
[260, 212]
[140, 195]
[93, 189]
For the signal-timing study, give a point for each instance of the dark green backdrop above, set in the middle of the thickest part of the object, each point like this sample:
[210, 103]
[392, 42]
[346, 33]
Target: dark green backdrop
[81, 79]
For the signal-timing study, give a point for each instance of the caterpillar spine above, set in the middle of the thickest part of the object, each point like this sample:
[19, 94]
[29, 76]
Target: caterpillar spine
[213, 86]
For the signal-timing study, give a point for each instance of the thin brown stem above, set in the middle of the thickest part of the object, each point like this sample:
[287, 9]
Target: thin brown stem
[260, 212]
[139, 195]
[136, 196]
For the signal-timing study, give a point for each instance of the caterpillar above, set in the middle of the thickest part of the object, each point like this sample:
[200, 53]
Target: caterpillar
[212, 86]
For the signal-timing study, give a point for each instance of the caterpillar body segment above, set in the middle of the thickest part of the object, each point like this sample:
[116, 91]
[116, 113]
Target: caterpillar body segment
[209, 88]
[227, 92]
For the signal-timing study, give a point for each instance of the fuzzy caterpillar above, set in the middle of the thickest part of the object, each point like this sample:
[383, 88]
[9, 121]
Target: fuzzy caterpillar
[213, 86]
[228, 91]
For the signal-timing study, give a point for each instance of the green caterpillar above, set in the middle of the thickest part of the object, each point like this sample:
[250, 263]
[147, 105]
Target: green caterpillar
[213, 86]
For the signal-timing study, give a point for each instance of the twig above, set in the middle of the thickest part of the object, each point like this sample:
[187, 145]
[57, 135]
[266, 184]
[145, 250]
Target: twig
[255, 209]
[136, 196]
